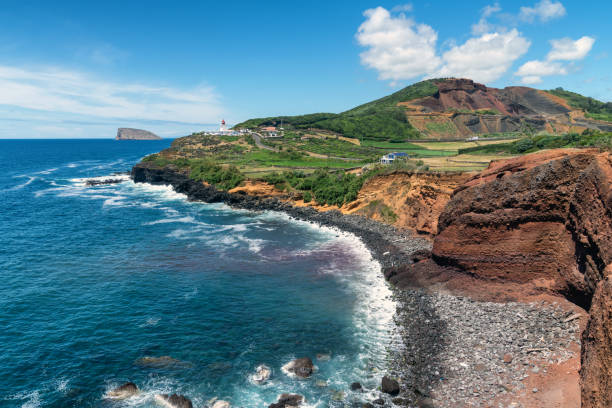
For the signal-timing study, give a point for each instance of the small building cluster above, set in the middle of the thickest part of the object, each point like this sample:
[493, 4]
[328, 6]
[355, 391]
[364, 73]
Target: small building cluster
[389, 158]
[269, 132]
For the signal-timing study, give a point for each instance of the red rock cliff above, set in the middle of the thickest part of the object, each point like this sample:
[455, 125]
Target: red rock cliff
[545, 221]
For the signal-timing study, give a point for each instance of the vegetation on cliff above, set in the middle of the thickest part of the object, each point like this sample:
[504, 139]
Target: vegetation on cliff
[593, 108]
[587, 138]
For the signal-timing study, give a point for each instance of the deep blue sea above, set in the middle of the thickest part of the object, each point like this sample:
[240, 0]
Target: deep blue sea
[94, 279]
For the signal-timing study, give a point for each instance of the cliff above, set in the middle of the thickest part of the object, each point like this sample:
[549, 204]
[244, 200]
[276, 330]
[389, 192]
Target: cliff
[135, 134]
[541, 222]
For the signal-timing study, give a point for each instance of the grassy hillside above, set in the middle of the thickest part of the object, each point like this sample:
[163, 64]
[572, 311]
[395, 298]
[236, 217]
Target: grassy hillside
[378, 120]
[594, 109]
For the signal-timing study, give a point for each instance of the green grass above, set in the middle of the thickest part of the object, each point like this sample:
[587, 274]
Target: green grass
[528, 145]
[595, 109]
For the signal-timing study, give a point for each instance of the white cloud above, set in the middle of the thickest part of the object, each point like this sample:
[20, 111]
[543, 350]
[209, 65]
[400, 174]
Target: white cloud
[483, 25]
[484, 58]
[402, 8]
[564, 49]
[56, 90]
[545, 10]
[399, 48]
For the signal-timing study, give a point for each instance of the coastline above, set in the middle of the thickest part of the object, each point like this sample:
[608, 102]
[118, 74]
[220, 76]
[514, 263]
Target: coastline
[437, 364]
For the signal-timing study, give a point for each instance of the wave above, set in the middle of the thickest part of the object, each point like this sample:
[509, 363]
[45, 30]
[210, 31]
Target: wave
[20, 186]
[186, 220]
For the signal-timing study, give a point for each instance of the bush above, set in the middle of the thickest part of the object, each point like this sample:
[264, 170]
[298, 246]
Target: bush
[222, 177]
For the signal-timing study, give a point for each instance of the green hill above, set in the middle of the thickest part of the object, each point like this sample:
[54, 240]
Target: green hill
[593, 108]
[377, 120]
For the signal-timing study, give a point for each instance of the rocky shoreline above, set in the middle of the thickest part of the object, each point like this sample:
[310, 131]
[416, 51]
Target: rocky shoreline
[456, 351]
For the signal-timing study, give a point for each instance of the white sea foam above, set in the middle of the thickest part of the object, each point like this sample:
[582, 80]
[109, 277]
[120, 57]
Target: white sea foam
[185, 220]
[22, 185]
[150, 322]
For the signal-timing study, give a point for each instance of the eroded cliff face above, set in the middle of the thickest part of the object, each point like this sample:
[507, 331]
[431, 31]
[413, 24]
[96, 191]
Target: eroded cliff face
[596, 356]
[541, 221]
[411, 201]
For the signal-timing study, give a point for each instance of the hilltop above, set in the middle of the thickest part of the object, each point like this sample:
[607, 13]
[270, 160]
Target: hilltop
[456, 108]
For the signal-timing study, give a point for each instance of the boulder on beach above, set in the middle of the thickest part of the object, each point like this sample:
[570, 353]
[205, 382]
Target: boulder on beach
[173, 401]
[262, 374]
[287, 400]
[389, 386]
[302, 367]
[126, 390]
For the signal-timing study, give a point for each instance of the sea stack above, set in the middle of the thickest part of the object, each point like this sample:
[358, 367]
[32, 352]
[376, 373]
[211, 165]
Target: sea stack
[135, 134]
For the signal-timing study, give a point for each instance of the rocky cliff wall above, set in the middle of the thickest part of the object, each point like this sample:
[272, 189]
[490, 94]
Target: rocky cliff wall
[543, 221]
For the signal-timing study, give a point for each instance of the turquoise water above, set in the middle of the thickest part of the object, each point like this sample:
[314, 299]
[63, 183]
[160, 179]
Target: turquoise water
[96, 278]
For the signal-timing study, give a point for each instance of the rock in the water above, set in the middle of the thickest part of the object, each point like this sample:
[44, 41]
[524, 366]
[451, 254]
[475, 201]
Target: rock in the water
[379, 401]
[126, 390]
[302, 367]
[162, 362]
[174, 401]
[262, 374]
[94, 182]
[356, 386]
[221, 404]
[390, 386]
[323, 357]
[135, 134]
[287, 400]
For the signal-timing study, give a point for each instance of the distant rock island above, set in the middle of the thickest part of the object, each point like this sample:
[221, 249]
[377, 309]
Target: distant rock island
[135, 134]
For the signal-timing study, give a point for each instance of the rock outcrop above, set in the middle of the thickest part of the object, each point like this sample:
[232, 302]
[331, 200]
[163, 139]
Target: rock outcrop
[288, 400]
[135, 134]
[127, 390]
[302, 367]
[173, 401]
[542, 220]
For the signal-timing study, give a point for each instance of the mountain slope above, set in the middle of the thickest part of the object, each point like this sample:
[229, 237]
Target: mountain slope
[455, 108]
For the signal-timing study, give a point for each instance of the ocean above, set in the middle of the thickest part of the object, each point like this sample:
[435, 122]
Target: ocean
[100, 282]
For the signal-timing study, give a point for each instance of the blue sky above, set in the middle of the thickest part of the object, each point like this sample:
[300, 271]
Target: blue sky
[82, 69]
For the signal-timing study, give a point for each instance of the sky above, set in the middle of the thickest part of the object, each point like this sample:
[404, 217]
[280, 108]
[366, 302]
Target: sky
[78, 69]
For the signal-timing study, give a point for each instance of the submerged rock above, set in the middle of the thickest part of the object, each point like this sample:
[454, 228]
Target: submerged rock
[126, 390]
[262, 374]
[390, 386]
[356, 386]
[287, 400]
[162, 362]
[323, 357]
[302, 367]
[173, 401]
[221, 404]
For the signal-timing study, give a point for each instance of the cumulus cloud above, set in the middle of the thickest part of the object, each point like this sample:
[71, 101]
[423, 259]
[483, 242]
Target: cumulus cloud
[56, 90]
[544, 11]
[563, 49]
[484, 58]
[399, 48]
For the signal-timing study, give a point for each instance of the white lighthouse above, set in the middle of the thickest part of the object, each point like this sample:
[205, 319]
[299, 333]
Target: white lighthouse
[223, 127]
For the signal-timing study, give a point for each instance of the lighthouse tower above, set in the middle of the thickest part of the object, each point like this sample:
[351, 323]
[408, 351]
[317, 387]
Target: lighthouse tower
[223, 127]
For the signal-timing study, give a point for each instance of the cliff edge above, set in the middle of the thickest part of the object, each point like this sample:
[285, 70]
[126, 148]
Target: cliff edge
[541, 223]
